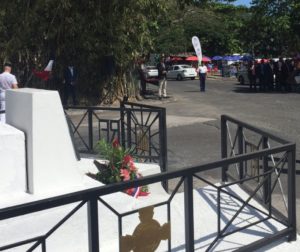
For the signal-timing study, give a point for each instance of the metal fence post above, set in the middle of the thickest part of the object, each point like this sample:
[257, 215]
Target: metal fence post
[219, 210]
[128, 114]
[163, 159]
[241, 150]
[189, 213]
[292, 193]
[90, 129]
[266, 168]
[93, 231]
[43, 245]
[122, 116]
[224, 146]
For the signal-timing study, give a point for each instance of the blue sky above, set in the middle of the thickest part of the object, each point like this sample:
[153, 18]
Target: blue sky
[244, 2]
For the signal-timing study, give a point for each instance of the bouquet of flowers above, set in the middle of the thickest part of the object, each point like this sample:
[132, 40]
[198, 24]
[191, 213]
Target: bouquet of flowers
[120, 167]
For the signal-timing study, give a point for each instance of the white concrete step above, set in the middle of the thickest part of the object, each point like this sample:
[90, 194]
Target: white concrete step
[73, 235]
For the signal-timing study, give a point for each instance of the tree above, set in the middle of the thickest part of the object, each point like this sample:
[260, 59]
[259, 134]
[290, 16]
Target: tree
[274, 27]
[91, 32]
[85, 31]
[216, 24]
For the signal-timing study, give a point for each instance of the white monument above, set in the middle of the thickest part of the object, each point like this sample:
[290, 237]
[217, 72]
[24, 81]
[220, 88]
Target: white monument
[50, 153]
[12, 160]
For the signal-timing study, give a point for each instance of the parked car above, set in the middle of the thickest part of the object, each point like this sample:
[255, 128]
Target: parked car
[180, 72]
[150, 72]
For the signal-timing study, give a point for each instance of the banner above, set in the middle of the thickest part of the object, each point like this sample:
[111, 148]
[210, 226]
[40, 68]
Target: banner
[197, 48]
[44, 74]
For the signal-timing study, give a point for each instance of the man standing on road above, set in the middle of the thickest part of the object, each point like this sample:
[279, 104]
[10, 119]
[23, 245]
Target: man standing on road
[70, 79]
[202, 70]
[162, 76]
[260, 72]
[252, 75]
[7, 81]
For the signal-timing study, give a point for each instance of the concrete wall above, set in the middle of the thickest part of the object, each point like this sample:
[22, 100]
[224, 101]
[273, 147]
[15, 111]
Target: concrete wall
[12, 160]
[51, 157]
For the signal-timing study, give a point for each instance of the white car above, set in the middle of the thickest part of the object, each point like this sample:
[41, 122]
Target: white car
[151, 71]
[180, 72]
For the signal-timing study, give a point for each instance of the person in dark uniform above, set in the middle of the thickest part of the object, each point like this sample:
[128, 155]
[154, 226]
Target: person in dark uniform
[269, 75]
[283, 74]
[162, 76]
[70, 79]
[260, 68]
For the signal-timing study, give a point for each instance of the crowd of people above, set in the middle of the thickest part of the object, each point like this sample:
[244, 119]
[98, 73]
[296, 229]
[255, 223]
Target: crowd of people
[282, 75]
[264, 75]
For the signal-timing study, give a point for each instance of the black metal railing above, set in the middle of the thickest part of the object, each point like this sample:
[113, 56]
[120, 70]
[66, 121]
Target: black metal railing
[92, 197]
[141, 128]
[248, 138]
[267, 174]
[144, 131]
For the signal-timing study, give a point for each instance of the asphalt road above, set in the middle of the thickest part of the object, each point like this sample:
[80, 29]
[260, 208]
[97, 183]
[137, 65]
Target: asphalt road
[193, 116]
[193, 120]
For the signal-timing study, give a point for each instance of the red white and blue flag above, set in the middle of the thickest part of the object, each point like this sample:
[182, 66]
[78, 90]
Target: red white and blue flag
[45, 74]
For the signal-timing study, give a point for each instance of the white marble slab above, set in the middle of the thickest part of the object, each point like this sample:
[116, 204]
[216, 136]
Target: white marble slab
[12, 160]
[51, 157]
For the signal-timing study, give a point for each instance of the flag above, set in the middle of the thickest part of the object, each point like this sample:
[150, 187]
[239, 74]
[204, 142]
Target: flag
[197, 48]
[45, 74]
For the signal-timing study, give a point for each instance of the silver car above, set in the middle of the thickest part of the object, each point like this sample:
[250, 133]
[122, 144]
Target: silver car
[180, 72]
[150, 72]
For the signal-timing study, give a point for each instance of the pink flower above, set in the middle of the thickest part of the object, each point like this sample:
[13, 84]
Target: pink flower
[127, 160]
[125, 174]
[132, 168]
[116, 143]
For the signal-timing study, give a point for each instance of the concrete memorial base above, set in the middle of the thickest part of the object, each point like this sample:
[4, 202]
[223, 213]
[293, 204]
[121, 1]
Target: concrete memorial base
[73, 234]
[50, 153]
[12, 160]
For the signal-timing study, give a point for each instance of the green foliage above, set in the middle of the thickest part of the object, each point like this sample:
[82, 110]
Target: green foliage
[268, 28]
[120, 166]
[274, 27]
[86, 31]
[216, 24]
[82, 31]
[115, 154]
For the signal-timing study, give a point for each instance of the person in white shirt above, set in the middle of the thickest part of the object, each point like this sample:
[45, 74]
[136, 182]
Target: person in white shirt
[7, 81]
[202, 70]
